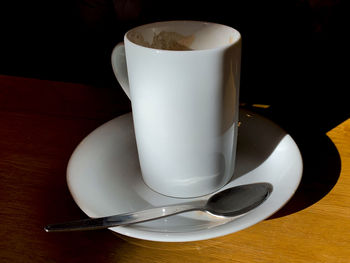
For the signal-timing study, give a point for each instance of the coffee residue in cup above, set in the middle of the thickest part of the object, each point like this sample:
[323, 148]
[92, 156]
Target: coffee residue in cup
[171, 41]
[164, 40]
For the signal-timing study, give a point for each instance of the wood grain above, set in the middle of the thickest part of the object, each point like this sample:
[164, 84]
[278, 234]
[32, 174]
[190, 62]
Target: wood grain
[41, 122]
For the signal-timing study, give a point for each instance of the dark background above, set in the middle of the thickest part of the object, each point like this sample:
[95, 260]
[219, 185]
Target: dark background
[294, 52]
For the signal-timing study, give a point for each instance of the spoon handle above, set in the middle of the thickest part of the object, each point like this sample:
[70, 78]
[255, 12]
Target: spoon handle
[124, 219]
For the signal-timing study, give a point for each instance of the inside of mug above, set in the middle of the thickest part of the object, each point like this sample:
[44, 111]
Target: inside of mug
[183, 35]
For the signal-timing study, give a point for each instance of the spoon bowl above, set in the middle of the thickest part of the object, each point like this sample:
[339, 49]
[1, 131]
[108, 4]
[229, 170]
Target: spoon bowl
[238, 200]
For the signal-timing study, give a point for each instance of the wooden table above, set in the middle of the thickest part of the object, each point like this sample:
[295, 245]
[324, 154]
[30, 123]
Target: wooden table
[41, 122]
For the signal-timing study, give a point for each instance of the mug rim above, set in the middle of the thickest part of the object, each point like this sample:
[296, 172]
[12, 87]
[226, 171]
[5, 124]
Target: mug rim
[236, 40]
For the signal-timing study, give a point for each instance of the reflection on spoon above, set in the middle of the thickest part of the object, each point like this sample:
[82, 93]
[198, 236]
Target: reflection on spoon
[230, 202]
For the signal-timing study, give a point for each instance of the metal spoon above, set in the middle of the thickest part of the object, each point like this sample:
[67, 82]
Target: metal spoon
[230, 202]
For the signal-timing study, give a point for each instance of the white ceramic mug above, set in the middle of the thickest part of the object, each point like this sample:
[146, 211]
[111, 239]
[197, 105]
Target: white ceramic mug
[184, 104]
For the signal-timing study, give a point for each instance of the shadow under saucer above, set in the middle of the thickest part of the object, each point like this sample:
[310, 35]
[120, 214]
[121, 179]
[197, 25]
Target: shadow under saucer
[321, 159]
[321, 172]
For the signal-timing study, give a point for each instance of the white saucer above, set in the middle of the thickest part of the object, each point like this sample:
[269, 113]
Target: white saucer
[104, 178]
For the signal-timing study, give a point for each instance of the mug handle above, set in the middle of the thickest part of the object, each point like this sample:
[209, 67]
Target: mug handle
[119, 67]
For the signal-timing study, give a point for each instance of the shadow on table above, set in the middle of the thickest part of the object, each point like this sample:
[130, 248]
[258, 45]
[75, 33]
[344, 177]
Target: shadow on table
[321, 160]
[322, 166]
